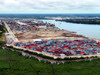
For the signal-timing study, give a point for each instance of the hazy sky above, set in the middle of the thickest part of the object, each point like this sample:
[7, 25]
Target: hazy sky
[49, 6]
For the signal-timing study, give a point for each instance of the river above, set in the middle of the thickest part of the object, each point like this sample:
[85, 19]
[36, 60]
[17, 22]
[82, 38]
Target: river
[92, 31]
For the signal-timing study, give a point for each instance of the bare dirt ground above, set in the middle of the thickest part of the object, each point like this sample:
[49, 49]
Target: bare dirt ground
[30, 36]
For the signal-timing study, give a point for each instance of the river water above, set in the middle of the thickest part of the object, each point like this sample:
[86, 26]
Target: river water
[92, 31]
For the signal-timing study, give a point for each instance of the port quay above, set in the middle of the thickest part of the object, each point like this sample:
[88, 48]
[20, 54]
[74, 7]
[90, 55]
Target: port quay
[47, 39]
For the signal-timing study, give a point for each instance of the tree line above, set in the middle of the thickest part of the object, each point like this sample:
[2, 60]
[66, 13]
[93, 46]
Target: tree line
[82, 21]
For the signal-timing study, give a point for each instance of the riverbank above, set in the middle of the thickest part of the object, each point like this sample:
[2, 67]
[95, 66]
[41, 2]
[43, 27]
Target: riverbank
[82, 21]
[91, 31]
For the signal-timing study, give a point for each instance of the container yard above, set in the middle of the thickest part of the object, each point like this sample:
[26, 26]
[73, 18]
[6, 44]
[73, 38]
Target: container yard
[62, 47]
[47, 39]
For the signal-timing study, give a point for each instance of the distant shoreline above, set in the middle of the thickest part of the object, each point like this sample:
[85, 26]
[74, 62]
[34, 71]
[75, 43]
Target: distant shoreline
[82, 21]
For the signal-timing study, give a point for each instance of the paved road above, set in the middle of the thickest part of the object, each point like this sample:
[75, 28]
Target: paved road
[10, 32]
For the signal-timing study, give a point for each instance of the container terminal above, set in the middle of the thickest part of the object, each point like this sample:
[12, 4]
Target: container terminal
[47, 39]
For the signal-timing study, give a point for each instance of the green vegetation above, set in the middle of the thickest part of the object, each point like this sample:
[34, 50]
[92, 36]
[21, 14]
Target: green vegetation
[2, 43]
[82, 21]
[1, 29]
[12, 62]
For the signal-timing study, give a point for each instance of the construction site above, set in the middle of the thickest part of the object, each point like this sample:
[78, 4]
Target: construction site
[47, 39]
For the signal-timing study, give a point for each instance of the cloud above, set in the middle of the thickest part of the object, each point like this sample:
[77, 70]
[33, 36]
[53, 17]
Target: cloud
[49, 6]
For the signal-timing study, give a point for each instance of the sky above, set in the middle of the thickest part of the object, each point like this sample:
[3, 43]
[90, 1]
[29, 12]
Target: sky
[49, 6]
